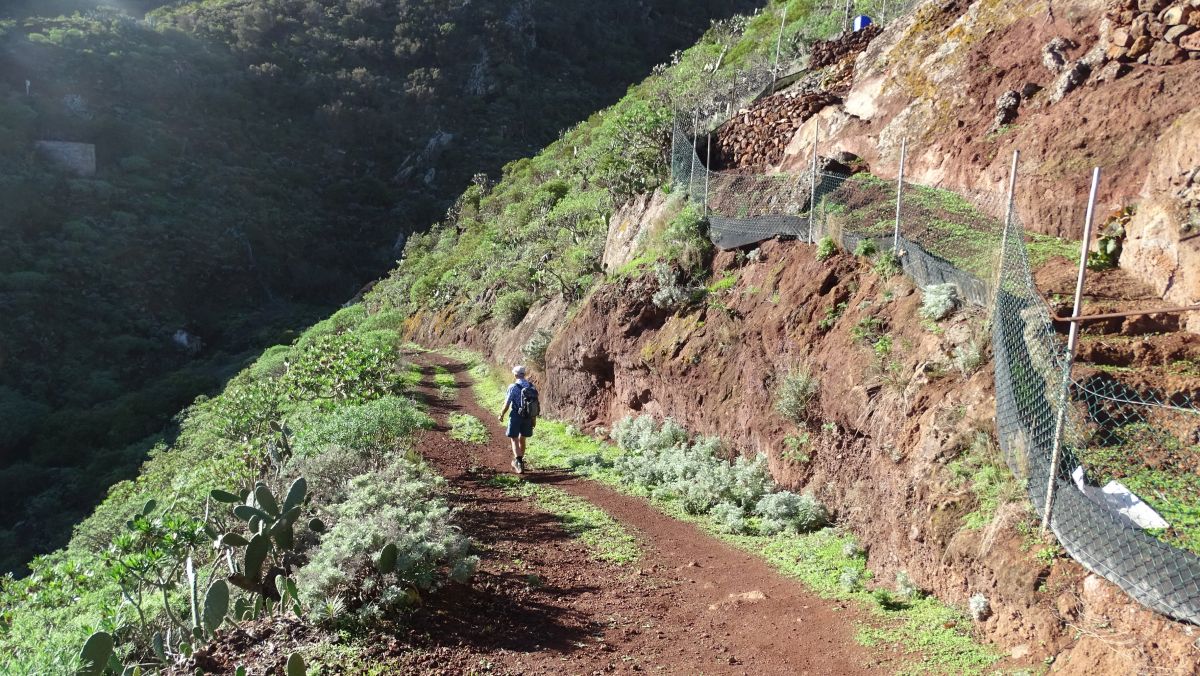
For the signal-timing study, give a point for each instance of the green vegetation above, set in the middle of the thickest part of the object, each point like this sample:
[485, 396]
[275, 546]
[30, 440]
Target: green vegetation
[936, 639]
[1170, 487]
[250, 175]
[607, 538]
[298, 476]
[445, 382]
[1042, 248]
[982, 469]
[795, 393]
[826, 248]
[468, 428]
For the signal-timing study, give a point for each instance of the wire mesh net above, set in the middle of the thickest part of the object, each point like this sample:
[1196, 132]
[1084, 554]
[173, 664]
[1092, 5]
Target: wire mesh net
[1106, 427]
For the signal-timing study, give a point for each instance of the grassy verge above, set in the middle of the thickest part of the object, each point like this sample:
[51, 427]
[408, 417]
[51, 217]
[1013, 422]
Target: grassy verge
[468, 428]
[934, 638]
[604, 536]
[445, 383]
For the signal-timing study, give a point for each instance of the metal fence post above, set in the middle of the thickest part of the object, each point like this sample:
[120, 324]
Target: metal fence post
[1008, 212]
[899, 195]
[1072, 337]
[707, 168]
[778, 44]
[695, 156]
[812, 197]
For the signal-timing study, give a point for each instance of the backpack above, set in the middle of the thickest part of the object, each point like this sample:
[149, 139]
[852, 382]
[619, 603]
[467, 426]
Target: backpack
[528, 405]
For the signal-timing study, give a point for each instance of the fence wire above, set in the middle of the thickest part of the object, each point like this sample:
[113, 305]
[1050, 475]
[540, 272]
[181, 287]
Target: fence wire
[1107, 427]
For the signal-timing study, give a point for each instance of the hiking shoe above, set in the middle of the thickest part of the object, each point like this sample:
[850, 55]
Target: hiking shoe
[518, 465]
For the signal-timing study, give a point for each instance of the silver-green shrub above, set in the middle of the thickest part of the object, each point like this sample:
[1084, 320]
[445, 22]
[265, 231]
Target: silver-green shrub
[788, 511]
[729, 518]
[402, 504]
[535, 350]
[939, 301]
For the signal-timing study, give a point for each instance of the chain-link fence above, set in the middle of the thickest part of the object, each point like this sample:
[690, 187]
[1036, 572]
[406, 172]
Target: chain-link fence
[1103, 428]
[1107, 426]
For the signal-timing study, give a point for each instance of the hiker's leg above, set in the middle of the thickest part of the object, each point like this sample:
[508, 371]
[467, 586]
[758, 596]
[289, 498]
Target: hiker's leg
[519, 446]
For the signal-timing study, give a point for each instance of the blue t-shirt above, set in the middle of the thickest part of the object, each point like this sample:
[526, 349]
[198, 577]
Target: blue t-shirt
[514, 395]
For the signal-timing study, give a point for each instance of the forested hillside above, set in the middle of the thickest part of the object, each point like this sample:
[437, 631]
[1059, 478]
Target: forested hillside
[256, 161]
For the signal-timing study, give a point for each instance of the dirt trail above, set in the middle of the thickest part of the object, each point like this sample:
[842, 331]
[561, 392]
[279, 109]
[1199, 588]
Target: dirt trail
[541, 604]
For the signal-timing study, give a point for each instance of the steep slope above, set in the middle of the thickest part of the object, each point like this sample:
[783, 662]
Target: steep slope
[902, 444]
[254, 164]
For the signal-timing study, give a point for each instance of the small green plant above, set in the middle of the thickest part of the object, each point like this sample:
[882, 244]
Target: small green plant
[534, 350]
[795, 393]
[468, 428]
[887, 265]
[865, 247]
[968, 357]
[868, 330]
[796, 447]
[511, 308]
[826, 248]
[725, 283]
[832, 314]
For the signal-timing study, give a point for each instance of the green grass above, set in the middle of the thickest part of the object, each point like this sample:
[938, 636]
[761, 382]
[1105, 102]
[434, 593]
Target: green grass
[445, 383]
[991, 482]
[468, 428]
[1170, 489]
[934, 637]
[1042, 248]
[603, 535]
[410, 377]
[725, 283]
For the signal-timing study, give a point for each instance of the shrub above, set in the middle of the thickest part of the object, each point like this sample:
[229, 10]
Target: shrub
[865, 247]
[673, 293]
[979, 607]
[535, 350]
[786, 510]
[687, 243]
[887, 265]
[729, 518]
[795, 392]
[906, 589]
[401, 505]
[826, 248]
[968, 357]
[370, 429]
[662, 460]
[511, 308]
[939, 301]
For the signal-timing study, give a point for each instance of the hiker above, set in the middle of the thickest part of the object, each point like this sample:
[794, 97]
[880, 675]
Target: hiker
[522, 406]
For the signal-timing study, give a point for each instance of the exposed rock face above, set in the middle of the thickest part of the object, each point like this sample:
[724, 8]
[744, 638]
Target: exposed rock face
[634, 221]
[1161, 247]
[1006, 109]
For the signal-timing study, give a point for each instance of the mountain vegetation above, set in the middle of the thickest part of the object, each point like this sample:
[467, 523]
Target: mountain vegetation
[255, 162]
[326, 411]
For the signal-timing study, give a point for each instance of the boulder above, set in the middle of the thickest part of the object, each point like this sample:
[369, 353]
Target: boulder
[1175, 33]
[1191, 42]
[1152, 6]
[1165, 54]
[1054, 56]
[1174, 16]
[1121, 38]
[1140, 47]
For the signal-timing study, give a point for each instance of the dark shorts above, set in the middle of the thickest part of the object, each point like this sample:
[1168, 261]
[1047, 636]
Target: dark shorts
[519, 427]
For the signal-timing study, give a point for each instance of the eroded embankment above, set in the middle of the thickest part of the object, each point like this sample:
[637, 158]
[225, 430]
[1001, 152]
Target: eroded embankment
[898, 443]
